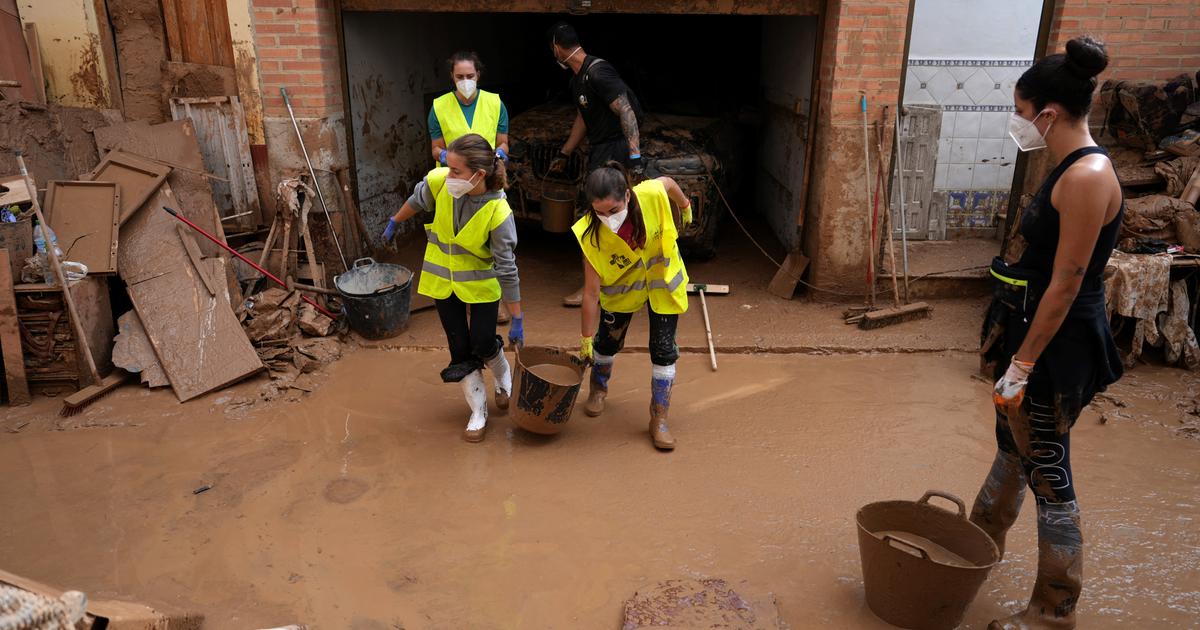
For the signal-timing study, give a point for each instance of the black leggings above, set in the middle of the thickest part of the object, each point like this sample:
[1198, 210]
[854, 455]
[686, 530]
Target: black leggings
[610, 339]
[471, 340]
[1041, 438]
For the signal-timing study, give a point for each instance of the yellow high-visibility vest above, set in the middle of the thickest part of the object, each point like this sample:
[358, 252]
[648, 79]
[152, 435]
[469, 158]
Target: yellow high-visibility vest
[454, 125]
[655, 272]
[460, 263]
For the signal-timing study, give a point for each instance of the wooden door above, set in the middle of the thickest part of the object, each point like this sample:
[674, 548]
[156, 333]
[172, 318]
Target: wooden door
[198, 32]
[919, 130]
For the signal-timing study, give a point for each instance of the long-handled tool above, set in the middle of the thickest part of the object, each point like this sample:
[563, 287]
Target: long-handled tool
[81, 340]
[870, 212]
[242, 258]
[312, 172]
[711, 289]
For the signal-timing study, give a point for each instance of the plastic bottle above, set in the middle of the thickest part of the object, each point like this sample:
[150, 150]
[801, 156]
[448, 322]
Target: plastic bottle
[39, 243]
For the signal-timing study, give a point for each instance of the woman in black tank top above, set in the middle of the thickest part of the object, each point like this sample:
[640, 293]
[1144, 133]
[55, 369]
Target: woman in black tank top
[1047, 330]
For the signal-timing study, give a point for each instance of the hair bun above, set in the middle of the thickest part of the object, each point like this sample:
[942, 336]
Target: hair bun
[1086, 57]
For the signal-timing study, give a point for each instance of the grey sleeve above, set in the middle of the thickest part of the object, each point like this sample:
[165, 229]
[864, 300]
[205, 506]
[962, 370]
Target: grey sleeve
[504, 254]
[422, 197]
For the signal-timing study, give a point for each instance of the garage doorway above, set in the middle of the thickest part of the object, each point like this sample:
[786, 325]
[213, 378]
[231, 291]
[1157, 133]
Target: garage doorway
[733, 89]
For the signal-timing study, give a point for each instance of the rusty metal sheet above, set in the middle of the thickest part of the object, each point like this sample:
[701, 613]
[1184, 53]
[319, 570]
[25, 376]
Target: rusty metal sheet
[220, 124]
[196, 336]
[136, 178]
[85, 217]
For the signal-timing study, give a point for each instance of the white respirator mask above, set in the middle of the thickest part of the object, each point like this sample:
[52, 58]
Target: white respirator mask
[1025, 133]
[615, 220]
[459, 187]
[466, 87]
[562, 63]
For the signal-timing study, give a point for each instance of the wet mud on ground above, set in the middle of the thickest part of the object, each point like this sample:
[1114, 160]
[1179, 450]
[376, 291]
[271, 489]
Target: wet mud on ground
[361, 507]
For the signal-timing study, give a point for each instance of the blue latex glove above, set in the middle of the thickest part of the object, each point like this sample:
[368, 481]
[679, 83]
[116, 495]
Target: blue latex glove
[500, 153]
[516, 331]
[442, 157]
[390, 230]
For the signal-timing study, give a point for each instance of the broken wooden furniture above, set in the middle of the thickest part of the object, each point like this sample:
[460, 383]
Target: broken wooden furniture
[10, 338]
[85, 217]
[53, 359]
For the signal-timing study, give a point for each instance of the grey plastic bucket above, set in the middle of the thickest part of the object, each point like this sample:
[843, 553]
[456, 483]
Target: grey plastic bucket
[544, 406]
[376, 297]
[907, 585]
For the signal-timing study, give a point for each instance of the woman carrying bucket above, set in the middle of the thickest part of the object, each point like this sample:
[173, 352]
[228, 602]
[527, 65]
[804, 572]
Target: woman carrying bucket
[630, 257]
[470, 264]
[1047, 329]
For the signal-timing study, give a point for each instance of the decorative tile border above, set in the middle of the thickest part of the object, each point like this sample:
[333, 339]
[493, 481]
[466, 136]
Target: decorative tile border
[1000, 63]
[978, 108]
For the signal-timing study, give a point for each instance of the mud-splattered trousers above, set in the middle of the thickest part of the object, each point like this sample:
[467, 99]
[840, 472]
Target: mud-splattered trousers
[472, 339]
[610, 339]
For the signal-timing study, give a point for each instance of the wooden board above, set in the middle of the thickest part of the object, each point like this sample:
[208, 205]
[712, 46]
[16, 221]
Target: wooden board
[220, 125]
[10, 338]
[13, 191]
[33, 45]
[173, 144]
[136, 178]
[196, 336]
[85, 217]
[14, 56]
[198, 31]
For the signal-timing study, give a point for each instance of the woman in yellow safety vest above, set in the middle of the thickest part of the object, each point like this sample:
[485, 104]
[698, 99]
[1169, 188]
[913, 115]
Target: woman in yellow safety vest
[468, 110]
[470, 265]
[631, 257]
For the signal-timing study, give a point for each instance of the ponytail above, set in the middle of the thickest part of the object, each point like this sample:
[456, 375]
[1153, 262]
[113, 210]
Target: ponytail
[480, 156]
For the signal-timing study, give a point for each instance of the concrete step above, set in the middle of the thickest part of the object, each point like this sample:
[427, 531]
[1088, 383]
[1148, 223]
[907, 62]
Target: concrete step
[944, 269]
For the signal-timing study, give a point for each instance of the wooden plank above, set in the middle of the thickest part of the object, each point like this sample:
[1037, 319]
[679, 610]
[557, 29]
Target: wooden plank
[193, 252]
[174, 33]
[196, 336]
[33, 45]
[136, 178]
[13, 191]
[10, 338]
[85, 217]
[14, 59]
[783, 285]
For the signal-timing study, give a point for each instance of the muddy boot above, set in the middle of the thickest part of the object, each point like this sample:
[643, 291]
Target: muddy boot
[574, 299]
[999, 501]
[1060, 572]
[661, 381]
[602, 366]
[476, 393]
[502, 378]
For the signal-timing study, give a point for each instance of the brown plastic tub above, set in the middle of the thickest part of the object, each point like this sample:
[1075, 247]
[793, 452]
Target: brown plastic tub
[922, 565]
[558, 207]
[547, 383]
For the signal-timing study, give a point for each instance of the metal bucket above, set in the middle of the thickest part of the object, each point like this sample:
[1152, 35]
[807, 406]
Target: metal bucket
[544, 400]
[558, 207]
[375, 297]
[922, 565]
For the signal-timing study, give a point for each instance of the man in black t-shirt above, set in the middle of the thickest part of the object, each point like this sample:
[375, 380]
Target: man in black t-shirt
[606, 111]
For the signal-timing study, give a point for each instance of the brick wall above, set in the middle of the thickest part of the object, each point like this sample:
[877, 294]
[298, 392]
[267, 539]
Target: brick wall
[1146, 39]
[297, 49]
[863, 54]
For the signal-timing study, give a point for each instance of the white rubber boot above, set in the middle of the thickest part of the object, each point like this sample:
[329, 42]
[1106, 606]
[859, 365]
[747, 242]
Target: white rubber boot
[476, 394]
[502, 377]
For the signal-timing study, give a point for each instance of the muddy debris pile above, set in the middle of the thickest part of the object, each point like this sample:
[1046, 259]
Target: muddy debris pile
[701, 603]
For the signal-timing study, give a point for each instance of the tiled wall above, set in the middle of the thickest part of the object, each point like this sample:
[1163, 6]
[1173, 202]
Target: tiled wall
[975, 153]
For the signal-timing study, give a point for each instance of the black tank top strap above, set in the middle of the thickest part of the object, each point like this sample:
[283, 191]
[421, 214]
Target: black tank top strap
[1066, 163]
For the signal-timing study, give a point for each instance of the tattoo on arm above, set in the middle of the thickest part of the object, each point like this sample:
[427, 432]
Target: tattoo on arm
[629, 126]
[1079, 271]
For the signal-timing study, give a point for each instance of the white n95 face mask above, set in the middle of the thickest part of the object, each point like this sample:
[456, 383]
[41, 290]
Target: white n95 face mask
[1025, 133]
[466, 87]
[615, 220]
[562, 63]
[459, 187]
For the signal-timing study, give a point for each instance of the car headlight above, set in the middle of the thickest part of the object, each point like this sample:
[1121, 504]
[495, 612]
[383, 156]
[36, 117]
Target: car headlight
[686, 165]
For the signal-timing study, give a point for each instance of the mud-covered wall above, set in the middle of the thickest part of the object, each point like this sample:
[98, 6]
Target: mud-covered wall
[788, 53]
[73, 53]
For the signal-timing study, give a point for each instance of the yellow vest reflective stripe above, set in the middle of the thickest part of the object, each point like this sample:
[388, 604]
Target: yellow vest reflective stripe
[460, 263]
[654, 273]
[454, 125]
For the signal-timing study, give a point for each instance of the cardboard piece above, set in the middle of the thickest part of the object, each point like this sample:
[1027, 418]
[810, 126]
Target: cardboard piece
[196, 336]
[13, 191]
[10, 338]
[137, 178]
[85, 217]
[133, 352]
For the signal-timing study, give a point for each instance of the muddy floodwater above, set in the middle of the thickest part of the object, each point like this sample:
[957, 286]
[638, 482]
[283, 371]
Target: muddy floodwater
[361, 507]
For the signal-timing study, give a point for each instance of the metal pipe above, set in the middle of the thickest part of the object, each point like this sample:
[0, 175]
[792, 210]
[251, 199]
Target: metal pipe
[903, 208]
[316, 183]
[242, 258]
